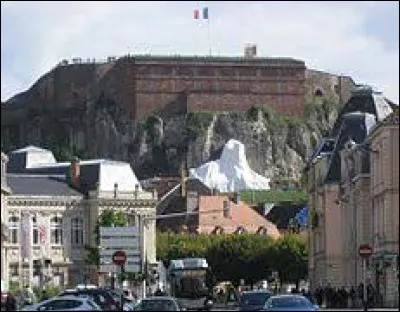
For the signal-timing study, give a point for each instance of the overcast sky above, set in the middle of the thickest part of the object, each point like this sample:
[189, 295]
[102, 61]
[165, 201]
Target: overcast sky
[360, 39]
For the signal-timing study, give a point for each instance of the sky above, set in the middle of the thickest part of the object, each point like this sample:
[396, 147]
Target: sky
[358, 39]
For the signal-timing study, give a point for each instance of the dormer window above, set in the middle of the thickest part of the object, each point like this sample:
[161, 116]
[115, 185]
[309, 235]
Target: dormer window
[262, 230]
[218, 230]
[240, 230]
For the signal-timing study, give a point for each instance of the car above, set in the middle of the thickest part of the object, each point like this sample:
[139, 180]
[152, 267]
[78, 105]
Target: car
[289, 302]
[101, 297]
[253, 300]
[65, 303]
[161, 303]
[118, 294]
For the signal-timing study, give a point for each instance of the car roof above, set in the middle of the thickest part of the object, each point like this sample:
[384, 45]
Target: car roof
[158, 298]
[256, 291]
[69, 297]
[287, 296]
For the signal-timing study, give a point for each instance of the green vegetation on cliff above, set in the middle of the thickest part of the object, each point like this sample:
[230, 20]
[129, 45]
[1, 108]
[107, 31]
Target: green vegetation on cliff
[273, 196]
[197, 123]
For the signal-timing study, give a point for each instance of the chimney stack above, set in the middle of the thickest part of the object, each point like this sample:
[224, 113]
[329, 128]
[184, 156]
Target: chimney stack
[115, 190]
[183, 181]
[75, 172]
[250, 50]
[237, 198]
[136, 190]
[227, 208]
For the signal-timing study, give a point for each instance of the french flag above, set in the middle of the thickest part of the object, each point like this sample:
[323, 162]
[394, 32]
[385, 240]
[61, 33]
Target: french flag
[204, 15]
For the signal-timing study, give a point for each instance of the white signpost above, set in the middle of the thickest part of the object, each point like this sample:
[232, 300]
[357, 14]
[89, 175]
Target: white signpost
[126, 239]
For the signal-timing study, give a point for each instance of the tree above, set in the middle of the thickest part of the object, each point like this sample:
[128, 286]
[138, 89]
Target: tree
[291, 258]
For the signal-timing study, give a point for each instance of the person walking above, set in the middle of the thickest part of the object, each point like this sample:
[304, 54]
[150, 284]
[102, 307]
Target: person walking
[11, 303]
[353, 297]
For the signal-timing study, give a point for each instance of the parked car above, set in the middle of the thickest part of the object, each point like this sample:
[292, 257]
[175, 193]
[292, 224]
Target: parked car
[290, 302]
[163, 303]
[117, 294]
[101, 297]
[65, 303]
[253, 300]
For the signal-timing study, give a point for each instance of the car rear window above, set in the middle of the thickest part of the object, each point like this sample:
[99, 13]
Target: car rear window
[255, 298]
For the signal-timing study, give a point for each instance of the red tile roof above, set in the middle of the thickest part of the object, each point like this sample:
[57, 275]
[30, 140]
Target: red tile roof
[241, 215]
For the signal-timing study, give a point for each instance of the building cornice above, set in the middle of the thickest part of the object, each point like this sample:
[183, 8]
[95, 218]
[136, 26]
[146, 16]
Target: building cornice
[21, 200]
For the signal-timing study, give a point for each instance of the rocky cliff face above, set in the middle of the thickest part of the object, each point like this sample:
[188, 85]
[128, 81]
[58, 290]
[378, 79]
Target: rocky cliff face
[276, 147]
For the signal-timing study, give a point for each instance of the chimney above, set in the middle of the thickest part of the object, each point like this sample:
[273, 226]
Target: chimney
[227, 208]
[236, 198]
[250, 50]
[75, 172]
[115, 190]
[136, 190]
[183, 182]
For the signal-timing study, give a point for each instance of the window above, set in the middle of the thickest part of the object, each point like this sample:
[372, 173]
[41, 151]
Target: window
[77, 231]
[14, 270]
[35, 232]
[240, 230]
[318, 92]
[13, 227]
[56, 230]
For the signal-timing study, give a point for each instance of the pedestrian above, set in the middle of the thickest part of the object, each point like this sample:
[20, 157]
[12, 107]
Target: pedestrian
[45, 296]
[319, 296]
[370, 295]
[353, 297]
[11, 303]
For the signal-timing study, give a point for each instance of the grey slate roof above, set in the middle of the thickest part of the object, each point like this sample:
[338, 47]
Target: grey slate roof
[47, 185]
[353, 127]
[355, 121]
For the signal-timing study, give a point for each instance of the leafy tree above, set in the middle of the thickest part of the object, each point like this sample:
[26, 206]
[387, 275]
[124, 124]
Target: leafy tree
[290, 257]
[243, 256]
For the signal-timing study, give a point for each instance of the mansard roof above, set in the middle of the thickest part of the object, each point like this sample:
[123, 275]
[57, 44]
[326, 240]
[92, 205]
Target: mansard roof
[40, 185]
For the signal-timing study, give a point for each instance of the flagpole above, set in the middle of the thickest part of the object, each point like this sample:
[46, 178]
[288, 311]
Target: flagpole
[209, 35]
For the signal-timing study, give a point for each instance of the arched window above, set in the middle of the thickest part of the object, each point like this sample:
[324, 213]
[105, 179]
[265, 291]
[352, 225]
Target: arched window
[77, 231]
[35, 231]
[56, 230]
[13, 227]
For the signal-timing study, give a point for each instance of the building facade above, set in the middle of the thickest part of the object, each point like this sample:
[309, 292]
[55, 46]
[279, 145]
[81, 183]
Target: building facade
[339, 189]
[356, 210]
[51, 217]
[384, 199]
[5, 192]
[325, 262]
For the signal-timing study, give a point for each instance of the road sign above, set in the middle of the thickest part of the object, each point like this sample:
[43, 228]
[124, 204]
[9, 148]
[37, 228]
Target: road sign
[365, 251]
[119, 257]
[126, 239]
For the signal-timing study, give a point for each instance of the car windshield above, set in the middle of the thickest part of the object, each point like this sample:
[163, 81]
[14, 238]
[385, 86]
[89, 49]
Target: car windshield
[289, 302]
[254, 298]
[158, 305]
[190, 287]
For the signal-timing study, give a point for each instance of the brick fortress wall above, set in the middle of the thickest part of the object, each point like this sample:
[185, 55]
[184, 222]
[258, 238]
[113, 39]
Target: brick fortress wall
[151, 84]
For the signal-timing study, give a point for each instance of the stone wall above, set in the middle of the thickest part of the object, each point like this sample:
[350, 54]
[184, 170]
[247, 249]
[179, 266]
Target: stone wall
[190, 84]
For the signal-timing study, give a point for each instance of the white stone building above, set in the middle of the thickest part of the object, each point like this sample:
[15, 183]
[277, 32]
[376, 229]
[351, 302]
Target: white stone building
[55, 206]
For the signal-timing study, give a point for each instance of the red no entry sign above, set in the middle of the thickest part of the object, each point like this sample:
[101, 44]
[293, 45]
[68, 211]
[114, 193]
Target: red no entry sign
[365, 250]
[119, 257]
